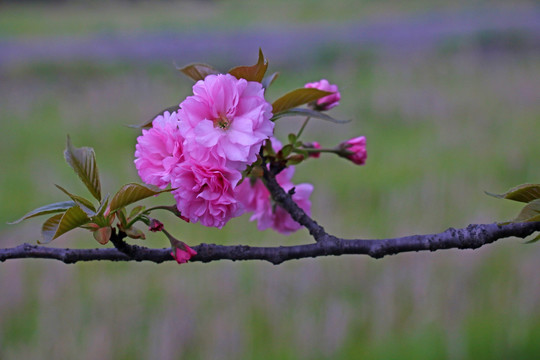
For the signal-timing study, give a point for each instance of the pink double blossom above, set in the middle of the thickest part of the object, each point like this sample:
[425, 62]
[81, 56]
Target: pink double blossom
[225, 121]
[327, 102]
[205, 193]
[355, 150]
[256, 198]
[159, 149]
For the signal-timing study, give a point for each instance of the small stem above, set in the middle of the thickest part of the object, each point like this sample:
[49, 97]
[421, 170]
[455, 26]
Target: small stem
[315, 151]
[171, 208]
[303, 127]
[137, 218]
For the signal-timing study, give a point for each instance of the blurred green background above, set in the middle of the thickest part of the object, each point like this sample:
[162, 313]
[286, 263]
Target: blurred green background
[448, 96]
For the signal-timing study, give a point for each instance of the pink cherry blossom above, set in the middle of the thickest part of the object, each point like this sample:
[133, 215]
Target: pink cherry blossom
[355, 149]
[159, 149]
[205, 193]
[327, 102]
[182, 255]
[226, 121]
[256, 197]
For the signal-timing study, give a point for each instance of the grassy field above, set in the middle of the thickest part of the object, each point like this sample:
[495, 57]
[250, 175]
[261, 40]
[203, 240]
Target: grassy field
[441, 128]
[107, 17]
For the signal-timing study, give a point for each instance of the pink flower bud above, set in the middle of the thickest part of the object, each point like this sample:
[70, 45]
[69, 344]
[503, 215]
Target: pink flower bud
[327, 102]
[355, 150]
[155, 225]
[182, 253]
[313, 145]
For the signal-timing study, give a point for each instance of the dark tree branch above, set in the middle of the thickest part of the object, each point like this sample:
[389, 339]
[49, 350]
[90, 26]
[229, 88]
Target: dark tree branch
[472, 237]
[285, 200]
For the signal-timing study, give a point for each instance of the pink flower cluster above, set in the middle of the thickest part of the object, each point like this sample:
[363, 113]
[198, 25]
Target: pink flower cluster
[201, 149]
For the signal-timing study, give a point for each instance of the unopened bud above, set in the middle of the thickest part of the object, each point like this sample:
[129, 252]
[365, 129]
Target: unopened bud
[181, 252]
[155, 225]
[313, 145]
[103, 235]
[134, 233]
[354, 150]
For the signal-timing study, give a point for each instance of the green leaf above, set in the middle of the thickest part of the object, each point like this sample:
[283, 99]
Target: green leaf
[302, 152]
[522, 193]
[83, 162]
[131, 193]
[292, 138]
[121, 214]
[286, 150]
[268, 148]
[296, 98]
[533, 240]
[308, 112]
[148, 124]
[103, 205]
[62, 223]
[47, 209]
[84, 204]
[102, 221]
[198, 71]
[269, 80]
[295, 159]
[251, 73]
[136, 210]
[531, 212]
[49, 227]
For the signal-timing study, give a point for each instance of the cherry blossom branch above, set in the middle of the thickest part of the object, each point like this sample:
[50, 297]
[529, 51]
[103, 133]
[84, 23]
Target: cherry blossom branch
[471, 237]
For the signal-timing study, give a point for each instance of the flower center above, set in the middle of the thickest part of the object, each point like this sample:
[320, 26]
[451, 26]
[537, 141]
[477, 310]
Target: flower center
[222, 122]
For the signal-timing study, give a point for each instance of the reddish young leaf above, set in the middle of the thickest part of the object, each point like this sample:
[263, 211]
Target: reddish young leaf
[198, 71]
[83, 162]
[62, 223]
[308, 112]
[269, 80]
[85, 204]
[47, 209]
[131, 193]
[522, 193]
[251, 73]
[296, 98]
[531, 212]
